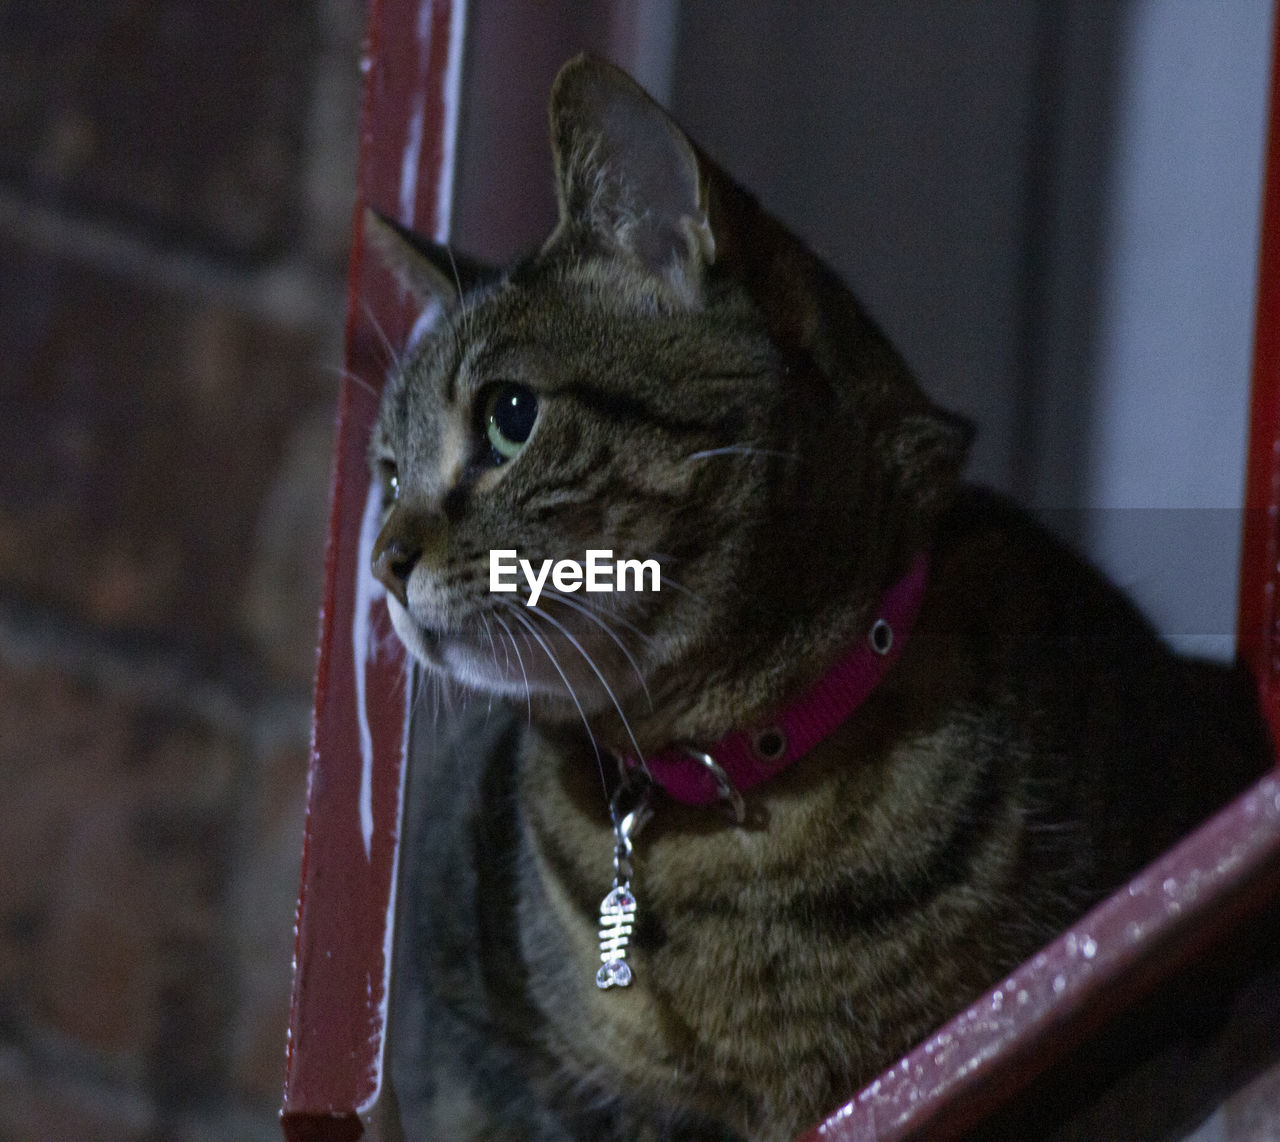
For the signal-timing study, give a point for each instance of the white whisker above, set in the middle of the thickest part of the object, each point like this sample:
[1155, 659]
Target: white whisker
[353, 377]
[630, 628]
[528, 696]
[394, 360]
[586, 611]
[493, 647]
[552, 658]
[741, 450]
[462, 300]
[596, 670]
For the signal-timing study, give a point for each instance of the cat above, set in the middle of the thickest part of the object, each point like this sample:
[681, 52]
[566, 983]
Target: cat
[952, 735]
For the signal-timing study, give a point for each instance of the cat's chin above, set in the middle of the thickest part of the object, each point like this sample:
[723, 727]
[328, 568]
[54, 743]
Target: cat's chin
[423, 643]
[452, 657]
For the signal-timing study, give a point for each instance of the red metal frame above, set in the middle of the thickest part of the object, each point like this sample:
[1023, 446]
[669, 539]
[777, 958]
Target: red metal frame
[1259, 624]
[1195, 894]
[1187, 901]
[334, 1078]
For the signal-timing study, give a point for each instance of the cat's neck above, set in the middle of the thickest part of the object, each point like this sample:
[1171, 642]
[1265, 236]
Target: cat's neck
[701, 772]
[732, 681]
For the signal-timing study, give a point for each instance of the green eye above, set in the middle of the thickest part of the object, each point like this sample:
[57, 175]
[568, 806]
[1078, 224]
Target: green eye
[508, 413]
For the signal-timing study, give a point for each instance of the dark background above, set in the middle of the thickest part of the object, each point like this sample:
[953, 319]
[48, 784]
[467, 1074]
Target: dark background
[176, 186]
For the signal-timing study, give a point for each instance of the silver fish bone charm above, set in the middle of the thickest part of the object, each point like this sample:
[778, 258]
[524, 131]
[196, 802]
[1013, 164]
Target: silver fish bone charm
[618, 909]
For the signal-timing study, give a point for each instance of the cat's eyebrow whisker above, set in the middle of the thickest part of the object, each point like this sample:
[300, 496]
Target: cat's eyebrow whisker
[462, 300]
[586, 612]
[742, 450]
[394, 359]
[353, 377]
[468, 316]
[528, 696]
[528, 625]
[447, 315]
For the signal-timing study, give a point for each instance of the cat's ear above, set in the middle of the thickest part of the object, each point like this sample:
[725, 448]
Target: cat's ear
[627, 178]
[428, 270]
[927, 449]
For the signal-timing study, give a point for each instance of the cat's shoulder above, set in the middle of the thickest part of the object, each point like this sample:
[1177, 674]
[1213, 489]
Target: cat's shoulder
[999, 554]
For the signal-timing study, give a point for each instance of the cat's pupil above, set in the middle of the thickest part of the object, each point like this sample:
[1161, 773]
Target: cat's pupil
[514, 412]
[509, 416]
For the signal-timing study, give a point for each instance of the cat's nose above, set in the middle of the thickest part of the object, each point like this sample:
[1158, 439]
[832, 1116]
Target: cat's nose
[394, 558]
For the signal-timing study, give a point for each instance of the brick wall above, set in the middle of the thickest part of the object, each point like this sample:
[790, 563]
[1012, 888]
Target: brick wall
[175, 201]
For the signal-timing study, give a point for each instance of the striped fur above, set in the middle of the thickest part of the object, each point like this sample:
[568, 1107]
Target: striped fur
[708, 393]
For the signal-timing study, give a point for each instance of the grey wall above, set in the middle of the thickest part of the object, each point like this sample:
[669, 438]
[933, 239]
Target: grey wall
[895, 138]
[1164, 463]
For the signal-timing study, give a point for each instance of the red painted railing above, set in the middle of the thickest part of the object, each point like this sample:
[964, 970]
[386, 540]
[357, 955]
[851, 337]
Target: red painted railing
[334, 1086]
[1259, 618]
[1196, 894]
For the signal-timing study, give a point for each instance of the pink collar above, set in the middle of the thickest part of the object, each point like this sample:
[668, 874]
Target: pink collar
[748, 757]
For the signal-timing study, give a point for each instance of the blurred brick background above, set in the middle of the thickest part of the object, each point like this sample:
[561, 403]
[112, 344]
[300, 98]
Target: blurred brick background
[175, 202]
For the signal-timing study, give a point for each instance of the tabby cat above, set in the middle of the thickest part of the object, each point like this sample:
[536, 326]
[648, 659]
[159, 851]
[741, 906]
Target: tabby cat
[673, 376]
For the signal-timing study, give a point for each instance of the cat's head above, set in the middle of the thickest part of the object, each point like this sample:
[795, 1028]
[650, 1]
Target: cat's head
[671, 377]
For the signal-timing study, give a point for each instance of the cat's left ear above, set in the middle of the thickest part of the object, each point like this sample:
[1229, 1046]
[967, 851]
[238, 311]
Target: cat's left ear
[428, 270]
[627, 178]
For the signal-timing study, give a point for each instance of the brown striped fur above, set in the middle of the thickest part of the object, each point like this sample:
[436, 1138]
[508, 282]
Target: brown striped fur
[1033, 746]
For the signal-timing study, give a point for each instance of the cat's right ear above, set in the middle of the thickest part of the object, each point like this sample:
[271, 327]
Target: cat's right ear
[429, 271]
[628, 181]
